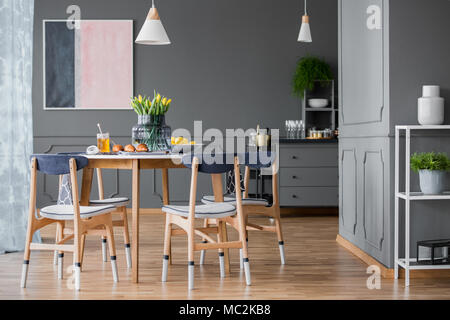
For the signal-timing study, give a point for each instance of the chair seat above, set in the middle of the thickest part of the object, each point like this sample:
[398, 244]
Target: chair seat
[232, 200]
[64, 212]
[203, 211]
[117, 202]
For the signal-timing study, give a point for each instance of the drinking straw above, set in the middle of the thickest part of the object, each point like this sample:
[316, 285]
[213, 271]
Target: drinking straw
[99, 128]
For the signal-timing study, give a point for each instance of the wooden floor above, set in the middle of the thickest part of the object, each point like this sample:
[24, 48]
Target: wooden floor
[317, 268]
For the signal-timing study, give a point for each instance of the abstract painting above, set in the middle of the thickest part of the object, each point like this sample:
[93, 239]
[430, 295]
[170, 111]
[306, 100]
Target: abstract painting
[89, 67]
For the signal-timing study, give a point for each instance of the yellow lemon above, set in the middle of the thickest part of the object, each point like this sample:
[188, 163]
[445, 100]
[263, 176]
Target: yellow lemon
[179, 140]
[192, 142]
[172, 140]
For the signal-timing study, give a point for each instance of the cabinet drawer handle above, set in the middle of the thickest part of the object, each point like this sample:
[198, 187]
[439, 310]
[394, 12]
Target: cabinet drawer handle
[294, 177]
[294, 157]
[294, 196]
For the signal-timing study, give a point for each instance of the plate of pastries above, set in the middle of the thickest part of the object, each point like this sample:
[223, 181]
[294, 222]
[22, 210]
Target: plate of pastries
[129, 149]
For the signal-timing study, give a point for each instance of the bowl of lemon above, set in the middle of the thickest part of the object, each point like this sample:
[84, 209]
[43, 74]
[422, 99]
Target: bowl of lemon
[181, 141]
[183, 145]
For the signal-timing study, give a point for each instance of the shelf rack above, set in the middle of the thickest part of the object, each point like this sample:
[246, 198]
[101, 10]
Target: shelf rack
[407, 262]
[331, 108]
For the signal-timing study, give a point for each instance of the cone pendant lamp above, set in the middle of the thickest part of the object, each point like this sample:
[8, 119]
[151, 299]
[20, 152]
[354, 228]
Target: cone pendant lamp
[305, 30]
[153, 32]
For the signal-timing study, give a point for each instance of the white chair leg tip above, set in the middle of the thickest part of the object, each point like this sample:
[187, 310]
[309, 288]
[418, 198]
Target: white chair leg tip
[165, 268]
[222, 265]
[247, 273]
[128, 255]
[114, 269]
[191, 275]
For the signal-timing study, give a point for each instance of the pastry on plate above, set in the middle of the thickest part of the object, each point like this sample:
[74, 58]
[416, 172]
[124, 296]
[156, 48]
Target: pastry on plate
[117, 148]
[142, 148]
[129, 148]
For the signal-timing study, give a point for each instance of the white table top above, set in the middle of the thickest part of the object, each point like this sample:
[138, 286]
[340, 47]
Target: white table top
[134, 156]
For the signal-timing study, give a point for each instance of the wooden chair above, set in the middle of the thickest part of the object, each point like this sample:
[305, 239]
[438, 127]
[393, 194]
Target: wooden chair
[84, 217]
[256, 206]
[119, 203]
[184, 217]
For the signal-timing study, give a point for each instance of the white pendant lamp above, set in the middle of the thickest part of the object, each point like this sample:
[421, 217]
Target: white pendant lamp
[305, 31]
[153, 32]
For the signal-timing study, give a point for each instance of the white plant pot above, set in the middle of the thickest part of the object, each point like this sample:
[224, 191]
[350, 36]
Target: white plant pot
[431, 106]
[432, 181]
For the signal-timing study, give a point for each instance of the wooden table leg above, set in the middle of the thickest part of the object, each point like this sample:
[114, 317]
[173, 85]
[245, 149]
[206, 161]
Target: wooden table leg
[165, 185]
[165, 190]
[218, 197]
[86, 186]
[135, 219]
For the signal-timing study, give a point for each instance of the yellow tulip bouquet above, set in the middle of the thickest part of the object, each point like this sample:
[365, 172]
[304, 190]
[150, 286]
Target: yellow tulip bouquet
[146, 106]
[151, 129]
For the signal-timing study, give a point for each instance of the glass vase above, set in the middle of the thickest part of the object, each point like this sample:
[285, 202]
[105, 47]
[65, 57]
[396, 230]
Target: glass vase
[153, 132]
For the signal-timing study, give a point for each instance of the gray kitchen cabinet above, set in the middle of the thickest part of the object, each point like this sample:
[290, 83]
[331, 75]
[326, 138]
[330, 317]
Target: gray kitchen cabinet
[309, 177]
[365, 188]
[307, 155]
[364, 144]
[363, 72]
[308, 174]
[309, 196]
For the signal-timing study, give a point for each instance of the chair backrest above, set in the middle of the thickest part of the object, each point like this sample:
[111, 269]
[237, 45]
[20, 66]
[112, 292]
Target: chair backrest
[212, 164]
[58, 164]
[65, 180]
[65, 191]
[260, 160]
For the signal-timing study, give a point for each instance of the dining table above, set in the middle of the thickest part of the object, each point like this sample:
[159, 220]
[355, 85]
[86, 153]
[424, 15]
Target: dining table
[137, 162]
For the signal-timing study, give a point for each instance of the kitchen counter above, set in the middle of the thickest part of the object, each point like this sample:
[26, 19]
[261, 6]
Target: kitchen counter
[306, 141]
[308, 173]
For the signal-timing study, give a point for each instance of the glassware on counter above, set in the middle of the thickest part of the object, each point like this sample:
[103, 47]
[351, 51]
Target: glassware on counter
[302, 130]
[295, 129]
[320, 134]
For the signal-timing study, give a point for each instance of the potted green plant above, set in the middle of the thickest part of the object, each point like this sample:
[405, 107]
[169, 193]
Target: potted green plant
[431, 167]
[309, 69]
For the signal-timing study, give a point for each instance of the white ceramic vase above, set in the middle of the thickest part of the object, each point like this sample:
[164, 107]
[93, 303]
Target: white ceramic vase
[431, 106]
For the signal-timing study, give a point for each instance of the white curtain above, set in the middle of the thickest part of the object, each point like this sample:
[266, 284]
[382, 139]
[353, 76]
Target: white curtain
[16, 130]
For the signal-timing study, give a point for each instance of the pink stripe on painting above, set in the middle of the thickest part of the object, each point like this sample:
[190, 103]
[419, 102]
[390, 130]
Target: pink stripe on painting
[106, 64]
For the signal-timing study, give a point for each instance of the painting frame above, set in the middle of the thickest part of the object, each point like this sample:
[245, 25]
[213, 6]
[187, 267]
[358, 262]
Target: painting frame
[44, 76]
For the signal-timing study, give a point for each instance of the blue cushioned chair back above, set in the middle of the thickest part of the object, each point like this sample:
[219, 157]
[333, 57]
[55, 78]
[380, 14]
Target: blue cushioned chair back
[212, 164]
[57, 164]
[257, 160]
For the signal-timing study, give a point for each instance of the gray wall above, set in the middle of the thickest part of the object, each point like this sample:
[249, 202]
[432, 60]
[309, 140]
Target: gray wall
[414, 47]
[230, 65]
[419, 54]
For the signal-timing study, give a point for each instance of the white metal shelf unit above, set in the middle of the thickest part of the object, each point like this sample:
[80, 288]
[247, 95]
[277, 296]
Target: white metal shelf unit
[407, 262]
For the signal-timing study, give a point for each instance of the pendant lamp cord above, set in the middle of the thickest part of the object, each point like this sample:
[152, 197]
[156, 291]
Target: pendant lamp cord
[153, 3]
[306, 12]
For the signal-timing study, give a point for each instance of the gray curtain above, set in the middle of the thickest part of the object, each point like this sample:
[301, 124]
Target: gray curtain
[16, 130]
